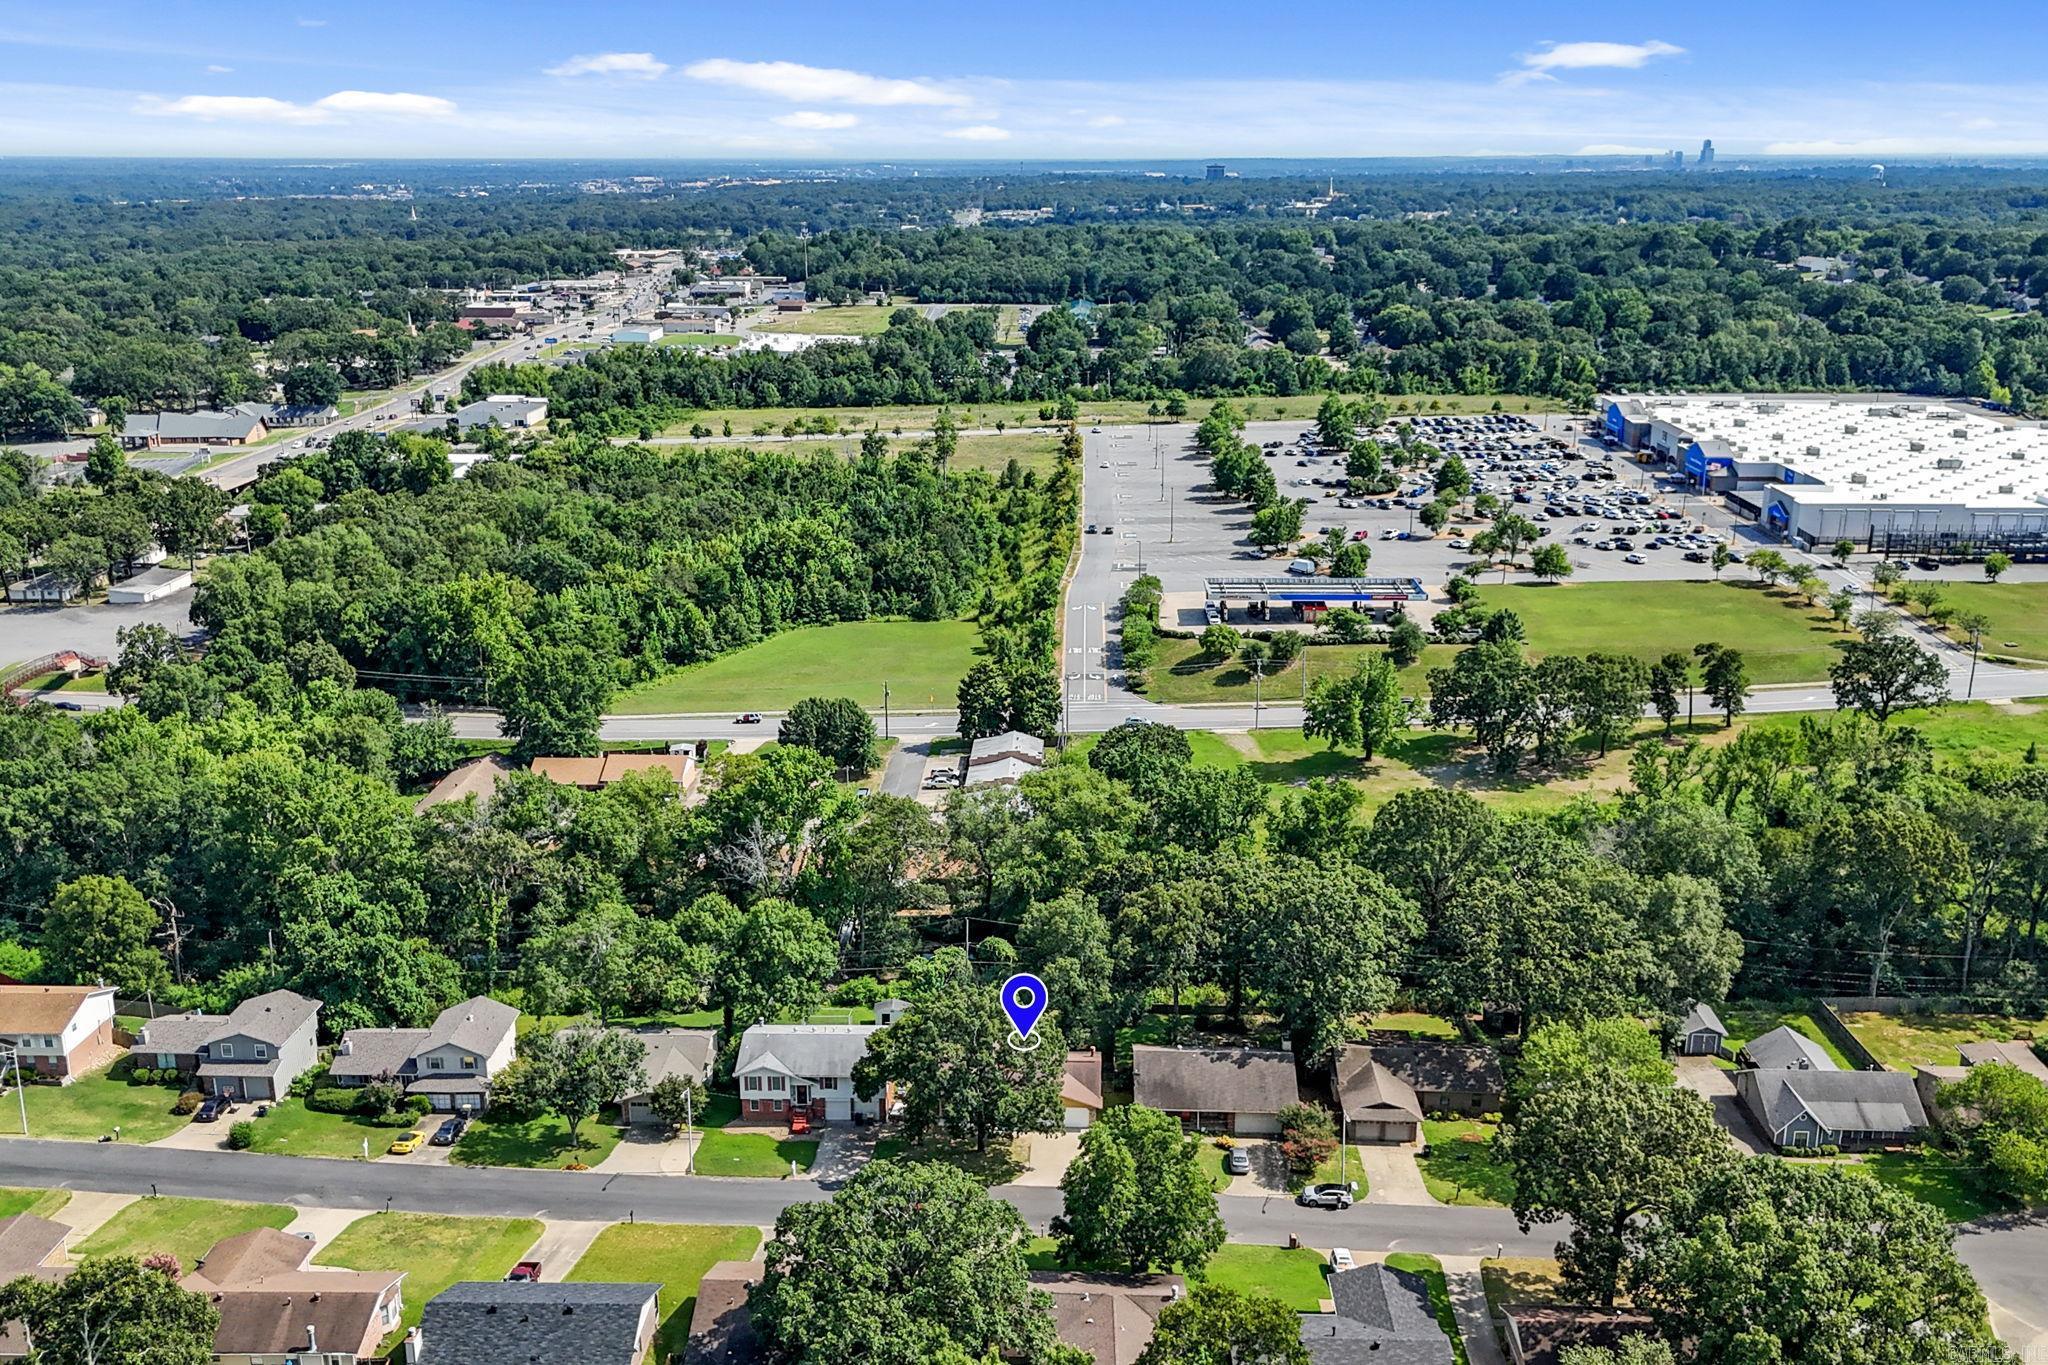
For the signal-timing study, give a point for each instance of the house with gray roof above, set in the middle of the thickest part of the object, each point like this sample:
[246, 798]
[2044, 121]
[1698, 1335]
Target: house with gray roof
[1381, 1317]
[1377, 1105]
[685, 1052]
[1701, 1032]
[1447, 1077]
[146, 430]
[254, 1052]
[1786, 1049]
[789, 1068]
[1227, 1090]
[275, 415]
[451, 1061]
[1803, 1109]
[534, 1323]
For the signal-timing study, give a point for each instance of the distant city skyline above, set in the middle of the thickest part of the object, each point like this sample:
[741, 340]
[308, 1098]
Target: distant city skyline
[1202, 80]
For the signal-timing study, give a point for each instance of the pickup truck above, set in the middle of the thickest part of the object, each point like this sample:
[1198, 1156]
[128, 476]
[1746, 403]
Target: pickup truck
[526, 1272]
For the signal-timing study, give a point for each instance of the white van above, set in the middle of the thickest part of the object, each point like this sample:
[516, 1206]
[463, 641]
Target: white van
[1302, 568]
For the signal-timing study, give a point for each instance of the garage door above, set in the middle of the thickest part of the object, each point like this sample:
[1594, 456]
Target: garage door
[839, 1110]
[1075, 1116]
[1258, 1123]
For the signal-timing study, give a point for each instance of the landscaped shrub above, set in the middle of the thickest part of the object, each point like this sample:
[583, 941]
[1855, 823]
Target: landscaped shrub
[334, 1100]
[379, 1098]
[419, 1106]
[187, 1102]
[1307, 1136]
[242, 1136]
[859, 990]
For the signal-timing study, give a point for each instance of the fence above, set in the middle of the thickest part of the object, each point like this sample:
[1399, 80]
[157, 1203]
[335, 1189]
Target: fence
[1838, 1033]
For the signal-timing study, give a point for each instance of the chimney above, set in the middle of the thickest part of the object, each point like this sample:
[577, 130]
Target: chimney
[312, 1341]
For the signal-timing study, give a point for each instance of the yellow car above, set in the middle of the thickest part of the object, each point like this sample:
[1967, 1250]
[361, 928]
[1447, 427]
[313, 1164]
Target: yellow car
[408, 1144]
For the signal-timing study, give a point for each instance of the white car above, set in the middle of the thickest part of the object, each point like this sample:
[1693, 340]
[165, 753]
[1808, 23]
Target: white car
[1633, 559]
[1341, 1258]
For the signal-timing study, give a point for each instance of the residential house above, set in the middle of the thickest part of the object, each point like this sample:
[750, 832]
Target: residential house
[1799, 1109]
[60, 1031]
[685, 1052]
[276, 415]
[207, 427]
[496, 1323]
[601, 770]
[275, 1310]
[721, 1326]
[1786, 1049]
[1928, 1080]
[1540, 1334]
[477, 778]
[1377, 1105]
[513, 411]
[28, 1246]
[254, 1052]
[1111, 1317]
[1081, 1089]
[48, 588]
[1455, 1078]
[451, 1061]
[1231, 1090]
[1381, 1317]
[1003, 758]
[1701, 1032]
[783, 1068]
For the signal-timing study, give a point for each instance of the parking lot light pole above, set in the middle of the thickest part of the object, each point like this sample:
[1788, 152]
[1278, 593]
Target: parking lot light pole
[1258, 675]
[885, 710]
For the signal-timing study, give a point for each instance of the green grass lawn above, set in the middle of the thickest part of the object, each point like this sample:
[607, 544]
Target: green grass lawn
[763, 1154]
[672, 1255]
[843, 320]
[95, 1104]
[1933, 1177]
[1460, 1168]
[434, 1250]
[1210, 1158]
[1753, 1019]
[922, 661]
[1432, 1272]
[1294, 1277]
[2018, 615]
[41, 1203]
[1515, 1280]
[999, 1165]
[1331, 1170]
[1905, 1041]
[291, 1129]
[1962, 732]
[537, 1142]
[1415, 1025]
[187, 1228]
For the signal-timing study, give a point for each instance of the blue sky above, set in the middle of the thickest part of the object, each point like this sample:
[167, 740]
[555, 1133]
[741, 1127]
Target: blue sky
[1051, 78]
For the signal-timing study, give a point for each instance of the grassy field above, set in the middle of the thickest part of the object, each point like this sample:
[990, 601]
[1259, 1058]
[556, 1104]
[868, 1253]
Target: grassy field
[843, 320]
[96, 1104]
[1415, 1025]
[538, 1142]
[187, 1228]
[1459, 1167]
[1962, 732]
[434, 1250]
[1931, 1177]
[1905, 1041]
[41, 1203]
[2018, 613]
[922, 661]
[291, 1129]
[999, 1165]
[1432, 1272]
[1755, 1019]
[674, 1256]
[1032, 450]
[1294, 1277]
[762, 1154]
[1091, 412]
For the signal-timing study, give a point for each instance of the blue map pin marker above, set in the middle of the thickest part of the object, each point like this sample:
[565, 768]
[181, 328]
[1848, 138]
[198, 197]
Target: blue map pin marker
[1024, 1002]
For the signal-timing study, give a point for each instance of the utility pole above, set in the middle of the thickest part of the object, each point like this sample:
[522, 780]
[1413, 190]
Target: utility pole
[20, 1091]
[1258, 675]
[885, 710]
[689, 1132]
[1976, 639]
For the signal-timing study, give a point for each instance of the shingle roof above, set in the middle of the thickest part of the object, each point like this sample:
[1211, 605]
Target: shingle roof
[2020, 1055]
[183, 1034]
[1363, 1084]
[492, 1323]
[272, 1017]
[1010, 742]
[571, 771]
[1442, 1066]
[1215, 1080]
[721, 1327]
[479, 778]
[1841, 1101]
[1382, 1316]
[254, 1255]
[1701, 1017]
[809, 1050]
[1787, 1049]
[477, 1024]
[42, 1009]
[267, 1299]
[1109, 1316]
[205, 425]
[686, 1052]
[1546, 1330]
[368, 1053]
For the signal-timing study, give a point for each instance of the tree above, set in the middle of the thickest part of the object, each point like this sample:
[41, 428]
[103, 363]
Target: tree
[1354, 560]
[553, 697]
[1996, 563]
[1218, 1325]
[1488, 688]
[112, 1310]
[773, 958]
[951, 1057]
[105, 462]
[1612, 691]
[1220, 641]
[1405, 641]
[1278, 525]
[1998, 1115]
[1435, 515]
[1359, 710]
[1639, 1350]
[677, 1099]
[837, 727]
[908, 1263]
[1883, 676]
[1757, 1260]
[1842, 605]
[1726, 677]
[1769, 566]
[1551, 562]
[1146, 756]
[187, 516]
[1328, 937]
[1066, 943]
[1136, 1196]
[1307, 1136]
[574, 1074]
[1721, 557]
[146, 650]
[99, 929]
[1843, 550]
[984, 701]
[1604, 1152]
[1668, 676]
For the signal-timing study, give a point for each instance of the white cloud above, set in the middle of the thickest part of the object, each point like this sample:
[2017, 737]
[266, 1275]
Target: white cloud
[264, 109]
[816, 119]
[820, 84]
[980, 132]
[1620, 149]
[1537, 66]
[1106, 121]
[216, 69]
[636, 65]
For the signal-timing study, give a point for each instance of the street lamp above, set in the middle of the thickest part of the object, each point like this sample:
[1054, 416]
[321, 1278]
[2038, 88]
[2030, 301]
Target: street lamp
[1258, 675]
[1132, 535]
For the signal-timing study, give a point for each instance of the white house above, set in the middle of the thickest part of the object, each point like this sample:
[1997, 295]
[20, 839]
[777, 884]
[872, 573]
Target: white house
[786, 1068]
[60, 1031]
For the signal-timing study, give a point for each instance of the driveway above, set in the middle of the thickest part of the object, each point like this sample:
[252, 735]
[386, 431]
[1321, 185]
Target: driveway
[1269, 1170]
[1702, 1077]
[842, 1150]
[201, 1137]
[1051, 1154]
[1391, 1175]
[648, 1150]
[561, 1246]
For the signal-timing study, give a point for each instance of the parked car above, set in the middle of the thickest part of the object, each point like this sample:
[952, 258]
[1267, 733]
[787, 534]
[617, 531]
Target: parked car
[1238, 1162]
[211, 1108]
[750, 718]
[449, 1131]
[1927, 562]
[1634, 559]
[1091, 528]
[1341, 1259]
[526, 1272]
[1326, 1197]
[407, 1143]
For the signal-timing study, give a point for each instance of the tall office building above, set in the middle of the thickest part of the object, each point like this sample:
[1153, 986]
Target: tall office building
[1215, 171]
[1707, 155]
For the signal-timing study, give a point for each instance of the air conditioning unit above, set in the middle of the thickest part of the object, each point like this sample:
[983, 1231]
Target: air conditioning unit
[1812, 451]
[1859, 478]
[1916, 446]
[1848, 428]
[2006, 489]
[1960, 433]
[1950, 463]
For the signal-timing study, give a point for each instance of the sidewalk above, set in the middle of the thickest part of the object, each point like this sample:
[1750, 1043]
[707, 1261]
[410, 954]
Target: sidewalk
[1468, 1299]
